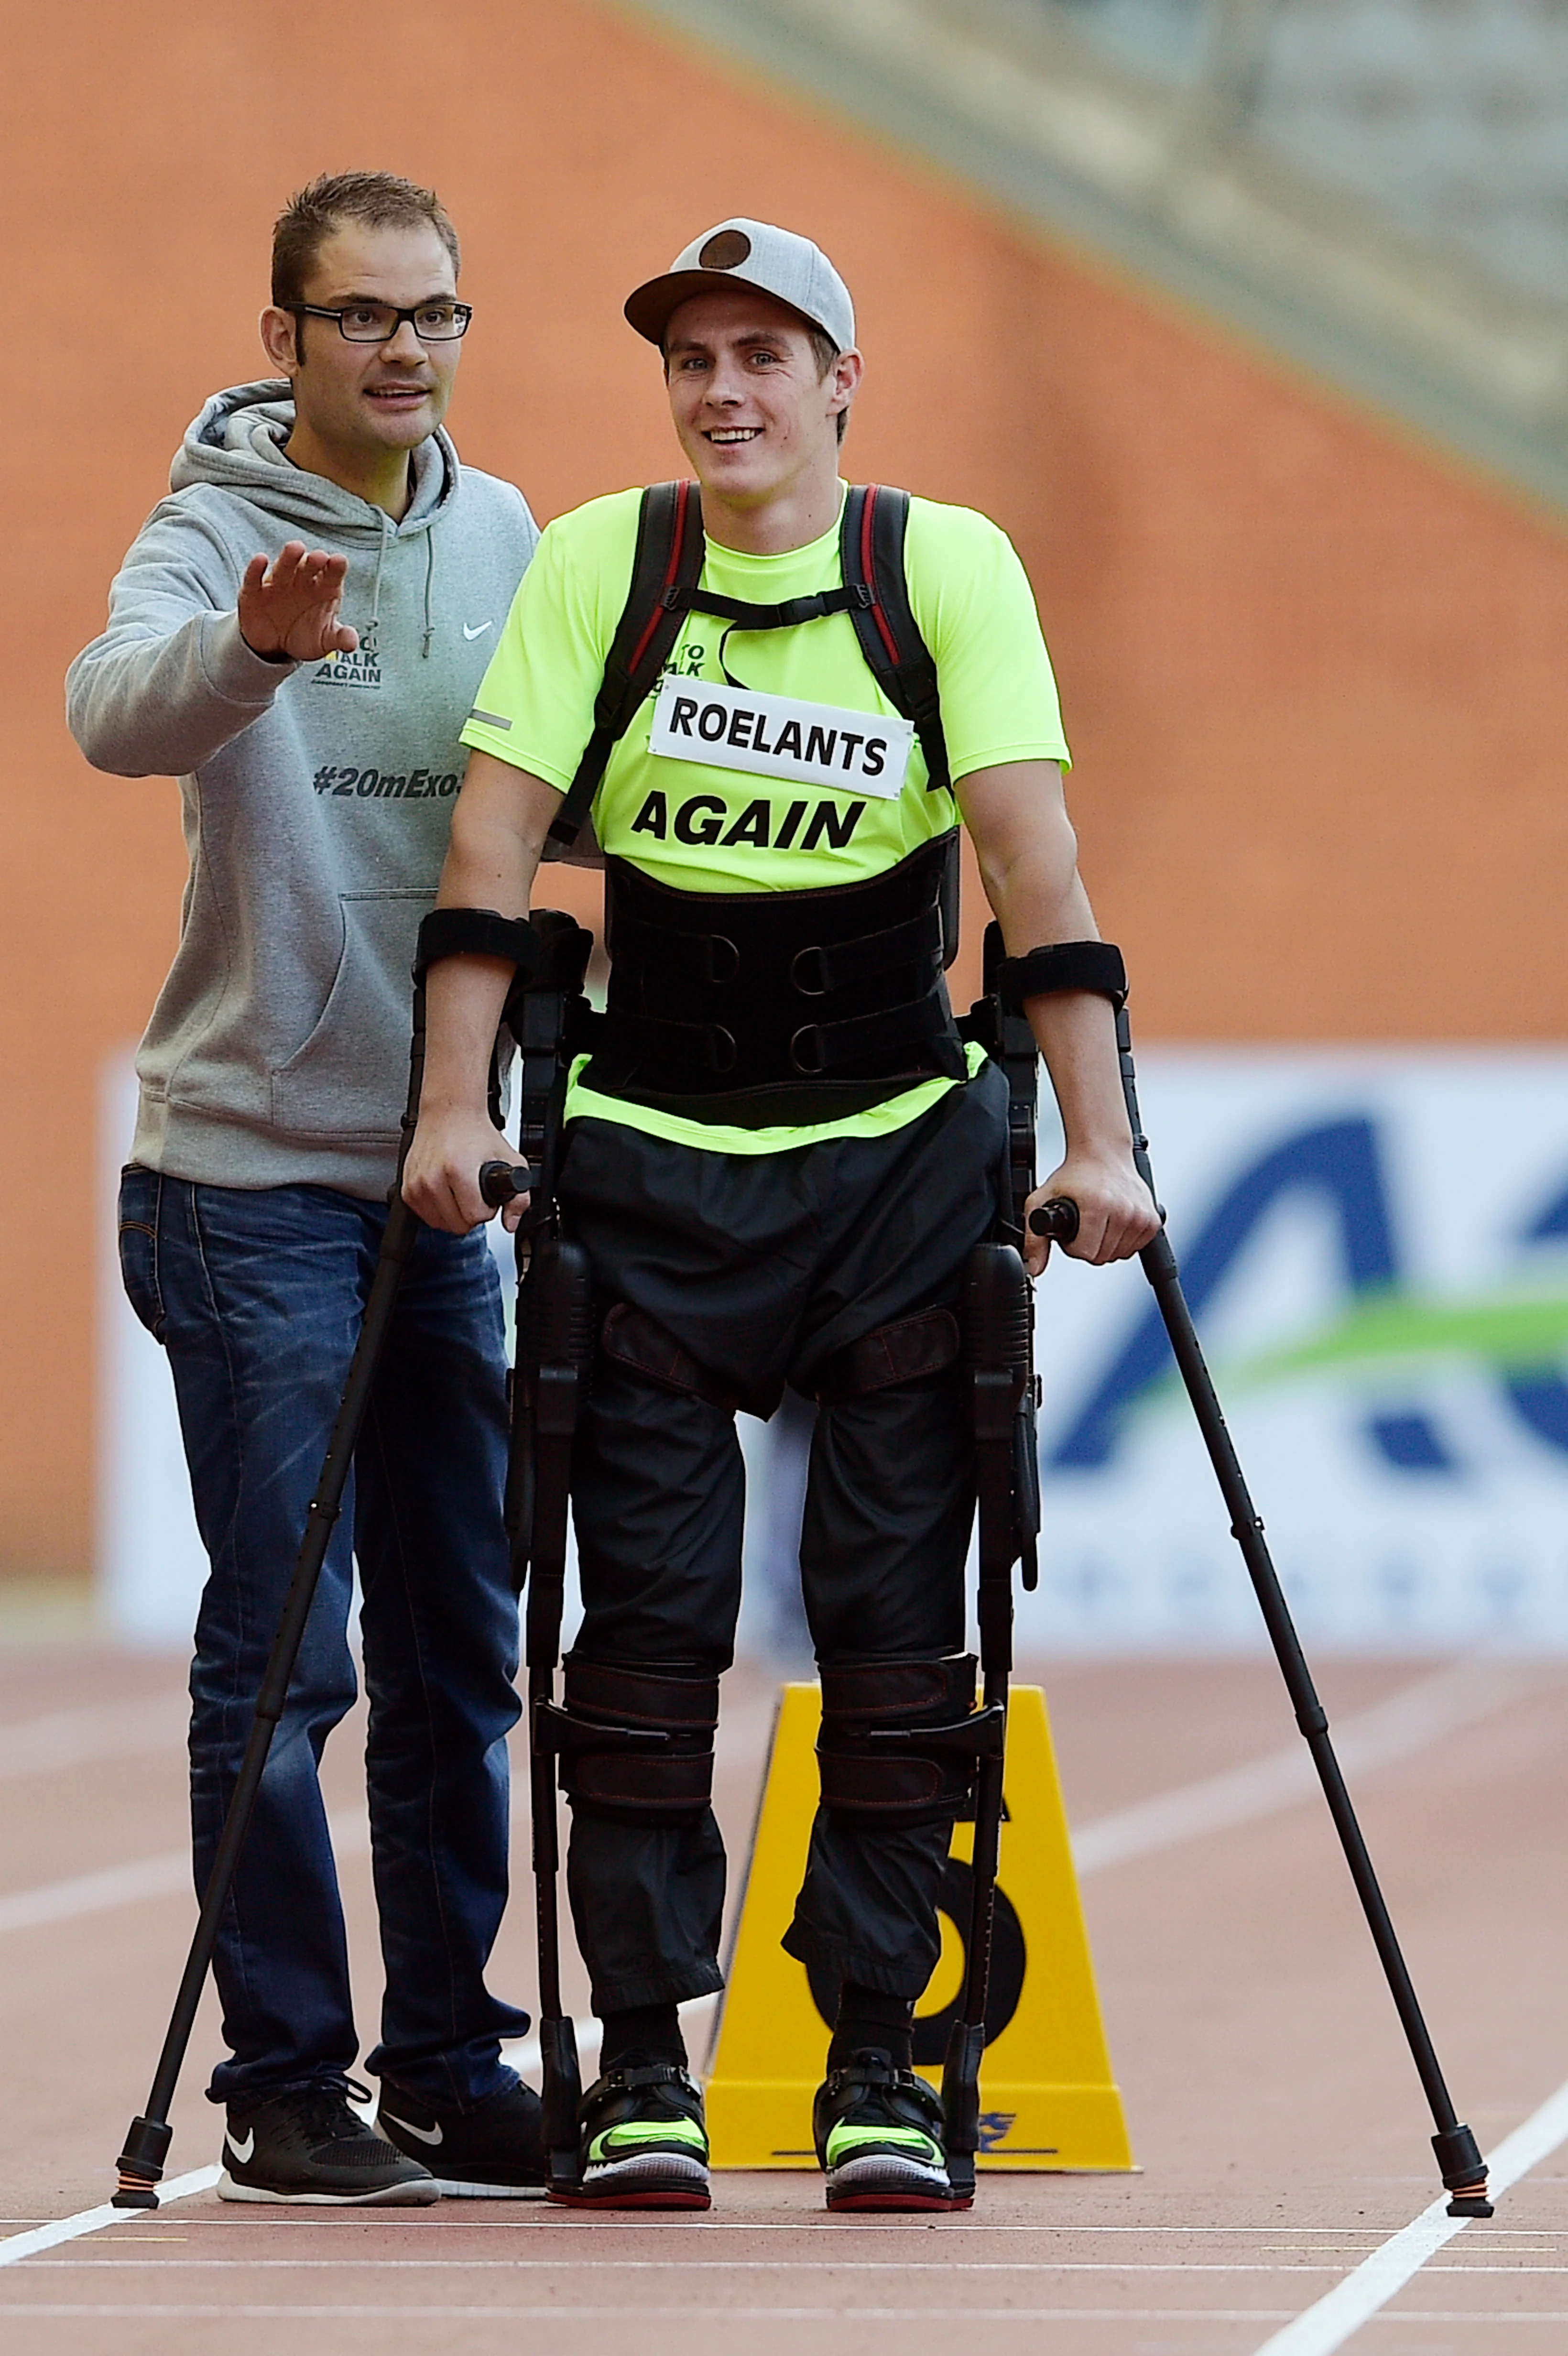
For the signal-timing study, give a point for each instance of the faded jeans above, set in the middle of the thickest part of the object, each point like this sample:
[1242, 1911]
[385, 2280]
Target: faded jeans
[257, 1298]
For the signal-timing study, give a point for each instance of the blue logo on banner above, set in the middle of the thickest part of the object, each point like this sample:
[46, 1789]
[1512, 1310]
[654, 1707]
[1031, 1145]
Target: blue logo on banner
[1338, 1163]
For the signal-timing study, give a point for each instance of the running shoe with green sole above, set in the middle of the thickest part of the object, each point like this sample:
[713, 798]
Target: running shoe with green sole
[878, 2131]
[644, 2144]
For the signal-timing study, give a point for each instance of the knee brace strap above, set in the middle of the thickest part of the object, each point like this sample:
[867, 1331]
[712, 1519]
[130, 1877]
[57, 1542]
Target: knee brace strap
[634, 1339]
[604, 1766]
[900, 1739]
[900, 1353]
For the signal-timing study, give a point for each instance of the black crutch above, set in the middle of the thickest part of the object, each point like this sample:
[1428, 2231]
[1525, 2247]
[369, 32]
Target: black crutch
[141, 2163]
[555, 1347]
[1464, 2171]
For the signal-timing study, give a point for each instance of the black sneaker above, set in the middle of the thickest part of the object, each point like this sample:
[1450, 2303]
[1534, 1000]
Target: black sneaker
[492, 2152]
[878, 2131]
[642, 2141]
[305, 2147]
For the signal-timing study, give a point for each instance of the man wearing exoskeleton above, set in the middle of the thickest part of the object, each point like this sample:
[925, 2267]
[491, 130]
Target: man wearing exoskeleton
[778, 698]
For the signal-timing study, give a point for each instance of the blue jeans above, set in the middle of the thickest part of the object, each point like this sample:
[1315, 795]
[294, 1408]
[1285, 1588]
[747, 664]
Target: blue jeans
[257, 1298]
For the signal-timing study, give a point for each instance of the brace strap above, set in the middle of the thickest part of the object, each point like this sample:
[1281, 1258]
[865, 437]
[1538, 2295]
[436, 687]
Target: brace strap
[814, 1050]
[900, 1739]
[477, 932]
[838, 965]
[901, 1353]
[1065, 965]
[689, 598]
[634, 1339]
[634, 1744]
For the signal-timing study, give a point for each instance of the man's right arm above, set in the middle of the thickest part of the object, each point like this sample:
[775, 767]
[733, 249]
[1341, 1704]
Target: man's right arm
[498, 828]
[191, 656]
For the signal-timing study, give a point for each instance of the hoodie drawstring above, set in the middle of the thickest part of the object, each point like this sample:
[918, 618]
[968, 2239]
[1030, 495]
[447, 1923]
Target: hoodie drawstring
[381, 560]
[428, 631]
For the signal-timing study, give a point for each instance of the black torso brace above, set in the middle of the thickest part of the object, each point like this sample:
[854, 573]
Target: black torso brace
[763, 1007]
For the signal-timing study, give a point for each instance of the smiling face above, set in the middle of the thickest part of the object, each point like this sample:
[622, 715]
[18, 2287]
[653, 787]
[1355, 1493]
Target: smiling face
[756, 415]
[364, 403]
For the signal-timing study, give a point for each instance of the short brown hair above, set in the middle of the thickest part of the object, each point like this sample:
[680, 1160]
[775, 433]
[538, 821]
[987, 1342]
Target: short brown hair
[827, 352]
[376, 199]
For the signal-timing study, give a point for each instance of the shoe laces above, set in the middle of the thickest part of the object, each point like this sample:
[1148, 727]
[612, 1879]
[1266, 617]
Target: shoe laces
[325, 2106]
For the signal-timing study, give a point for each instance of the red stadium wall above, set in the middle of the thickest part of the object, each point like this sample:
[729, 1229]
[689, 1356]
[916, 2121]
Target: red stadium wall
[1311, 672]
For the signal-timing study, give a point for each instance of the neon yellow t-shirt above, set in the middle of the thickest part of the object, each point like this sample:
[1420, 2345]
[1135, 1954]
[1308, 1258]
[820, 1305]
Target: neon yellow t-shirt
[700, 828]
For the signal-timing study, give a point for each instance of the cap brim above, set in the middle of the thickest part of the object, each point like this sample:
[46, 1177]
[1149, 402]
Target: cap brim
[650, 308]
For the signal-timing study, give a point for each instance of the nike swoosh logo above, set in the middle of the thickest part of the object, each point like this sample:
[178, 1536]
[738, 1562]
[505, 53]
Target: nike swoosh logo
[478, 630]
[421, 2134]
[242, 2151]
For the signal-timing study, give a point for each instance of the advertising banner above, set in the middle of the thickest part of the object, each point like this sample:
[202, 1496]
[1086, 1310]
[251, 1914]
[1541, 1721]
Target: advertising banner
[1374, 1245]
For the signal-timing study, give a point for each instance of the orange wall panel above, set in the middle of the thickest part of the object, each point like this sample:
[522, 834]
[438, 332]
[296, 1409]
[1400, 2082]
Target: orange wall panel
[1311, 672]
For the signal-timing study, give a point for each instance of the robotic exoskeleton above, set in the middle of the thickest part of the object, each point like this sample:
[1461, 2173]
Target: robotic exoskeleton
[902, 1741]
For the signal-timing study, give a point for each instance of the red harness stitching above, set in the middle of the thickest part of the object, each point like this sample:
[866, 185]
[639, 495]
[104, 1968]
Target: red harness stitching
[672, 572]
[868, 571]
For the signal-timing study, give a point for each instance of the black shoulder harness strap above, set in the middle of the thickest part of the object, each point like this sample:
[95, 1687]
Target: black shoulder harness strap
[666, 571]
[668, 559]
[871, 546]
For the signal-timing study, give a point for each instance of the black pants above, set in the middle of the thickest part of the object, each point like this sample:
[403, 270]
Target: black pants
[765, 1265]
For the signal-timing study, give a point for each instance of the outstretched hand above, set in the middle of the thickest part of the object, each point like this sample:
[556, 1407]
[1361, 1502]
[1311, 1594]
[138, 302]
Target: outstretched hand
[290, 607]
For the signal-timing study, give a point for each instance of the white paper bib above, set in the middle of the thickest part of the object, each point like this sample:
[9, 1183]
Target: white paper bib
[775, 736]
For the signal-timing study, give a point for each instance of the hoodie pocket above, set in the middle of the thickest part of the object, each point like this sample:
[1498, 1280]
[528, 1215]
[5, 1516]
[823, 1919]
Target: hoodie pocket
[349, 1078]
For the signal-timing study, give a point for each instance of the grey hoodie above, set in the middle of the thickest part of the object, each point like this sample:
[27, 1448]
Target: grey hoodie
[317, 797]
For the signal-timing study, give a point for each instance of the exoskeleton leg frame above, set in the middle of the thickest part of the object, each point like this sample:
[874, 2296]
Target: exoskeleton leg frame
[996, 1319]
[902, 1741]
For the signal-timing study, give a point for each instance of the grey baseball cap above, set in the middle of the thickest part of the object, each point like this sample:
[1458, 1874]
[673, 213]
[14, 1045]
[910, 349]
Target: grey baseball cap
[788, 267]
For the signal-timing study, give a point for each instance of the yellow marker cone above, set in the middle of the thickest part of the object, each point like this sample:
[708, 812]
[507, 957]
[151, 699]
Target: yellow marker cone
[1047, 2096]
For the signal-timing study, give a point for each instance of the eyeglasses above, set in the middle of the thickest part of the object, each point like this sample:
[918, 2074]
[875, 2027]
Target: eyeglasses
[378, 323]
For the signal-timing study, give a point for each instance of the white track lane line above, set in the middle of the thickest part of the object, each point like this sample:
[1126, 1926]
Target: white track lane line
[149, 1877]
[17, 2246]
[70, 1738]
[1407, 1722]
[1395, 1729]
[1327, 2326]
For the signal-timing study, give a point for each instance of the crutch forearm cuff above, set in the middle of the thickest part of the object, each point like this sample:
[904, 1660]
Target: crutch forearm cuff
[477, 932]
[1065, 965]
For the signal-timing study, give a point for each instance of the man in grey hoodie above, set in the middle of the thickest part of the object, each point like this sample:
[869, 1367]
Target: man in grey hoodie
[313, 696]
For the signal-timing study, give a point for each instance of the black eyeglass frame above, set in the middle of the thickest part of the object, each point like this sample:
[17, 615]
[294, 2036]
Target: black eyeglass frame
[462, 315]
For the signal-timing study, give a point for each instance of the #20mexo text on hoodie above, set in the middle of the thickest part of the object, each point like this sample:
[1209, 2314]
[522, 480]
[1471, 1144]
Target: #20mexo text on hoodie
[317, 797]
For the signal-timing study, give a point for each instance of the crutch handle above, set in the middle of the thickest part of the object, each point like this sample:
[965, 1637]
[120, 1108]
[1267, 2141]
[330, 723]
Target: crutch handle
[502, 1182]
[1058, 1219]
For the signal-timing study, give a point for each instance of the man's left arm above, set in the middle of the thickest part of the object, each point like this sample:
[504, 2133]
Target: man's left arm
[1028, 855]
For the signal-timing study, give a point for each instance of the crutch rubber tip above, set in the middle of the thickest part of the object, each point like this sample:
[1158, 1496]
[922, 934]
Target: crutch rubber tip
[141, 2164]
[1463, 2170]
